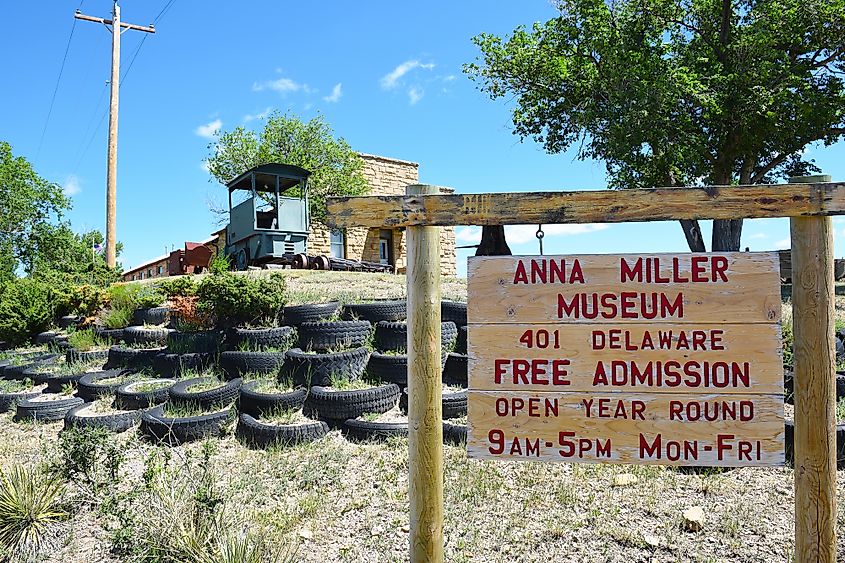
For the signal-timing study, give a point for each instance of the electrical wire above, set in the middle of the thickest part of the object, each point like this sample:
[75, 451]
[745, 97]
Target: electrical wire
[58, 81]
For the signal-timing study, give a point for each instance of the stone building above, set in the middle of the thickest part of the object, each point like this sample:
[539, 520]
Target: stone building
[386, 176]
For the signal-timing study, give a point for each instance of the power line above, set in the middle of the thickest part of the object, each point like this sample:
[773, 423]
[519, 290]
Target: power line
[163, 11]
[56, 89]
[132, 60]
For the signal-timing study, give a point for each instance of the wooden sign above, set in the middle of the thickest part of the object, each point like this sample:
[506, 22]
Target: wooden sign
[654, 358]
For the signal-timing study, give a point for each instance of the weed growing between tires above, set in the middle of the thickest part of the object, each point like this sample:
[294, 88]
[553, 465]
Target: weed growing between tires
[343, 383]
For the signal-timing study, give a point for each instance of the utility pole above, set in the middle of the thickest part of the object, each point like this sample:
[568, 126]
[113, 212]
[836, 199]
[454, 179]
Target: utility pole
[111, 172]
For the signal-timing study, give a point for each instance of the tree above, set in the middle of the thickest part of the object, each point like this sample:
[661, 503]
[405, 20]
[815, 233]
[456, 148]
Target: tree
[68, 257]
[678, 92]
[335, 168]
[27, 203]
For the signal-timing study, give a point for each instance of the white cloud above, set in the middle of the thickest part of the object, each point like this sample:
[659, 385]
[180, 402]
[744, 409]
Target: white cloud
[260, 115]
[334, 97]
[517, 234]
[282, 86]
[758, 236]
[468, 234]
[783, 244]
[415, 94]
[449, 78]
[71, 185]
[208, 130]
[391, 79]
[204, 166]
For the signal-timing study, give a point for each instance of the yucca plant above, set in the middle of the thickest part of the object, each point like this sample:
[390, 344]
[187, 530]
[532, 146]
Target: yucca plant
[29, 503]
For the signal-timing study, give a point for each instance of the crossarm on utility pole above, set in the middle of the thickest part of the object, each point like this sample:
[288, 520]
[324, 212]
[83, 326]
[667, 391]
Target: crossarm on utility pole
[150, 29]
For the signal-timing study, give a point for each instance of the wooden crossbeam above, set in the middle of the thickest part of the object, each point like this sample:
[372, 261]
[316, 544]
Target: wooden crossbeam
[598, 206]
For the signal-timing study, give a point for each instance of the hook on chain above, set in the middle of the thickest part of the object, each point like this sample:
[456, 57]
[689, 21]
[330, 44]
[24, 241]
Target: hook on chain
[540, 234]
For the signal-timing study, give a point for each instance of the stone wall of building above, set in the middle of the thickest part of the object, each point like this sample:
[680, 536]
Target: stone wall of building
[386, 176]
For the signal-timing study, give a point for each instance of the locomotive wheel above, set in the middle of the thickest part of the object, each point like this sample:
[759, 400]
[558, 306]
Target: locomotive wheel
[241, 259]
[321, 263]
[300, 261]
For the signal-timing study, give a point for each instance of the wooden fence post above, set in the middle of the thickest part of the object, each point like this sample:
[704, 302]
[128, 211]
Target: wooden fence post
[815, 389]
[425, 413]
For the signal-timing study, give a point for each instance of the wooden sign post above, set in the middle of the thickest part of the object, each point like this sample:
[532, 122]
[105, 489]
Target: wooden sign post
[807, 204]
[654, 358]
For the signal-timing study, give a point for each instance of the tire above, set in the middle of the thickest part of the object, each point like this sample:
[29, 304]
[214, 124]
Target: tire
[455, 372]
[18, 372]
[69, 321]
[394, 335]
[55, 383]
[389, 368]
[9, 400]
[220, 396]
[257, 404]
[363, 431]
[333, 335]
[46, 337]
[454, 405]
[175, 431]
[193, 342]
[461, 342]
[90, 389]
[73, 356]
[111, 335]
[454, 434]
[327, 403]
[146, 336]
[237, 364]
[45, 411]
[308, 370]
[455, 311]
[36, 374]
[114, 422]
[376, 311]
[295, 315]
[150, 316]
[789, 443]
[132, 358]
[176, 365]
[263, 338]
[127, 397]
[256, 434]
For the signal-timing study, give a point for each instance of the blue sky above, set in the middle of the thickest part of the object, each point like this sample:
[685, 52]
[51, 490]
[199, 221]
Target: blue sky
[386, 75]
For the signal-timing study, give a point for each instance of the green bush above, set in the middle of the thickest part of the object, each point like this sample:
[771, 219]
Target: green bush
[236, 300]
[27, 307]
[83, 300]
[182, 286]
[123, 298]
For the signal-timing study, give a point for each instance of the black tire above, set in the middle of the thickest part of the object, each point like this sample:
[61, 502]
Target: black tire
[111, 335]
[131, 358]
[90, 388]
[46, 337]
[193, 342]
[9, 400]
[454, 434]
[295, 315]
[45, 411]
[150, 316]
[146, 336]
[175, 365]
[236, 364]
[69, 321]
[455, 372]
[455, 311]
[282, 337]
[389, 368]
[461, 342]
[256, 434]
[128, 397]
[55, 383]
[363, 431]
[225, 394]
[394, 335]
[327, 403]
[114, 422]
[258, 404]
[454, 405]
[376, 311]
[18, 373]
[73, 355]
[308, 370]
[789, 443]
[333, 335]
[175, 431]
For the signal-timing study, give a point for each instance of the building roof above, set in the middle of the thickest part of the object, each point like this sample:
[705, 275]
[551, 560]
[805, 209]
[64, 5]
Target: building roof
[288, 171]
[147, 264]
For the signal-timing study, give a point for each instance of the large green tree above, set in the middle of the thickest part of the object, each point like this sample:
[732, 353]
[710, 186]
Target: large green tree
[677, 92]
[28, 203]
[335, 168]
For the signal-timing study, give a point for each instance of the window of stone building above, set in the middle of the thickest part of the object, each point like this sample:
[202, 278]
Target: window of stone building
[159, 270]
[149, 272]
[337, 240]
[385, 242]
